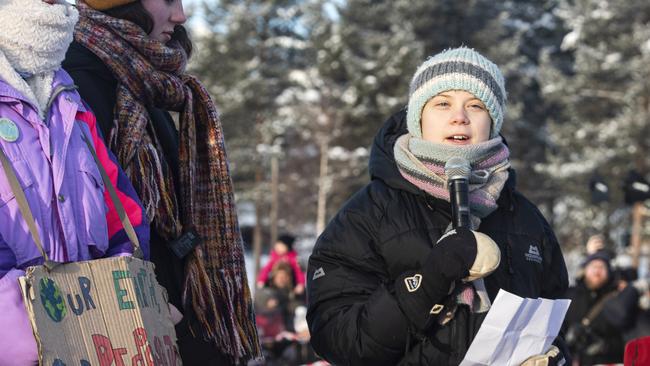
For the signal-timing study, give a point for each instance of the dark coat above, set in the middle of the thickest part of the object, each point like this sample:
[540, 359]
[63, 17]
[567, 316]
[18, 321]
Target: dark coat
[624, 313]
[601, 341]
[387, 229]
[97, 86]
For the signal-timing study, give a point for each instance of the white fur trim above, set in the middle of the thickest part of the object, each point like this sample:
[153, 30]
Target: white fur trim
[34, 39]
[11, 77]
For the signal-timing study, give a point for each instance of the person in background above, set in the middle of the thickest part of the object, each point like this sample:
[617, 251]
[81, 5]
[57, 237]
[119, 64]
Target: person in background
[590, 334]
[284, 344]
[129, 59]
[389, 282]
[282, 281]
[283, 251]
[44, 127]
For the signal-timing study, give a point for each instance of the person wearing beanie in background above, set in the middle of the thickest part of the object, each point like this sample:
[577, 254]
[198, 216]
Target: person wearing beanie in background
[591, 335]
[44, 131]
[282, 251]
[128, 59]
[389, 282]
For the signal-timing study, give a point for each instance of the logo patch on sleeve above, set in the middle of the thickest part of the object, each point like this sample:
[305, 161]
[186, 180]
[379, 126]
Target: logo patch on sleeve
[320, 272]
[413, 283]
[533, 254]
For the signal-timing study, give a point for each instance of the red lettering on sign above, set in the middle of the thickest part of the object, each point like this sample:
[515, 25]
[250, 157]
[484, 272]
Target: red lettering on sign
[118, 353]
[143, 347]
[165, 354]
[105, 352]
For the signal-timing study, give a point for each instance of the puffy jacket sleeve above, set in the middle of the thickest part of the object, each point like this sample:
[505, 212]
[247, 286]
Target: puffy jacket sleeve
[17, 343]
[119, 243]
[353, 316]
[264, 272]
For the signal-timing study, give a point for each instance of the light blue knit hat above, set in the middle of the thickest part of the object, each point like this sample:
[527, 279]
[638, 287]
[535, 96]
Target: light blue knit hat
[457, 69]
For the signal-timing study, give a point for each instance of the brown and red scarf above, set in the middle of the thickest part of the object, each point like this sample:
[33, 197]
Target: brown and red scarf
[150, 73]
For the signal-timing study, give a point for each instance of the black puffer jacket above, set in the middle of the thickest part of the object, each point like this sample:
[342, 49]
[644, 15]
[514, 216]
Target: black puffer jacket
[388, 229]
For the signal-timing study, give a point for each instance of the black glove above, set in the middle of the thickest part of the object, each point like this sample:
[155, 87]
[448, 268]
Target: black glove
[421, 293]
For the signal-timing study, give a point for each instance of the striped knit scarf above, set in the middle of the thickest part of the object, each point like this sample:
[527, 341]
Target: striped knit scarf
[150, 73]
[423, 163]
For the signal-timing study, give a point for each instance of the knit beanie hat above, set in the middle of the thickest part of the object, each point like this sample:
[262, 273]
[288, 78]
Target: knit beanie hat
[288, 240]
[107, 4]
[457, 69]
[601, 255]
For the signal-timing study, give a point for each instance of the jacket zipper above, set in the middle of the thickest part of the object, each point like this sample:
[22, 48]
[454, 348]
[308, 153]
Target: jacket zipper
[48, 114]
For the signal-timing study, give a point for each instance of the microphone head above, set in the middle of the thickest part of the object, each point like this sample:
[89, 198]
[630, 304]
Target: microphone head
[458, 168]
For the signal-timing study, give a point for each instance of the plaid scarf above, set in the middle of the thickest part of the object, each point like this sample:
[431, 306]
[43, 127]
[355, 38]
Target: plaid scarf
[150, 73]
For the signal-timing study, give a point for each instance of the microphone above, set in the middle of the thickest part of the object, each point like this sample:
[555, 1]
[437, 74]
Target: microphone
[458, 170]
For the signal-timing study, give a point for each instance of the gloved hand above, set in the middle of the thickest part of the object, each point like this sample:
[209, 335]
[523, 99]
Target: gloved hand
[553, 357]
[459, 254]
[488, 257]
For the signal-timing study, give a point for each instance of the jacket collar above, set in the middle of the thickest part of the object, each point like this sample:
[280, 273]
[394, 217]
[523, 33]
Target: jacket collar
[507, 197]
[62, 82]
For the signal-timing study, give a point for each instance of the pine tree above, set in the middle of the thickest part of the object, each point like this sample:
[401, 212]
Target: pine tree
[529, 31]
[605, 107]
[245, 59]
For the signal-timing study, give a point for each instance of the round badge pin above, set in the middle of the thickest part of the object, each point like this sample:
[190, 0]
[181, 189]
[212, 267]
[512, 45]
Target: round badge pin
[8, 130]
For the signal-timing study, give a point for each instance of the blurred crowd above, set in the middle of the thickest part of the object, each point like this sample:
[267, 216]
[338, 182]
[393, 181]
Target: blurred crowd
[610, 307]
[280, 308]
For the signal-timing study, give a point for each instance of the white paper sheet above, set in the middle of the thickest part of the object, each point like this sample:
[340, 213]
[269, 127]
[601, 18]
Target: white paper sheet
[515, 329]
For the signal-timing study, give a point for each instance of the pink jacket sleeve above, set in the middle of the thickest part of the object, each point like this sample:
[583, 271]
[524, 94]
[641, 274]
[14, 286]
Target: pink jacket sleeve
[264, 272]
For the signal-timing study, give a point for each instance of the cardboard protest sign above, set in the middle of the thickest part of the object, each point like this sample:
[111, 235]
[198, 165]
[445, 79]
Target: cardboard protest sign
[102, 312]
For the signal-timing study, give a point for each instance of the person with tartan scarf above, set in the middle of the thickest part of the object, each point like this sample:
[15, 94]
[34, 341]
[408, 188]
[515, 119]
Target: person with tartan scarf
[390, 281]
[128, 59]
[46, 132]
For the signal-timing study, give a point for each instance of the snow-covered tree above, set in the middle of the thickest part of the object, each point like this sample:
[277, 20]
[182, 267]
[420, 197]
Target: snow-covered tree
[603, 124]
[245, 59]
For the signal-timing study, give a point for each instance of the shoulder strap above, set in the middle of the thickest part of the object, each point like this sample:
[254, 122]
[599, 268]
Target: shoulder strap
[124, 218]
[597, 308]
[23, 206]
[26, 212]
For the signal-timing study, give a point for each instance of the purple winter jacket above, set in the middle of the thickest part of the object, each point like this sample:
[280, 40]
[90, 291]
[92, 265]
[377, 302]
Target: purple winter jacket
[64, 189]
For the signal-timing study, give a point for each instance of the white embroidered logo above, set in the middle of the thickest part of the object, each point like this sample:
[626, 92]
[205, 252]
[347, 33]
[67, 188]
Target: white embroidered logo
[533, 254]
[318, 273]
[413, 283]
